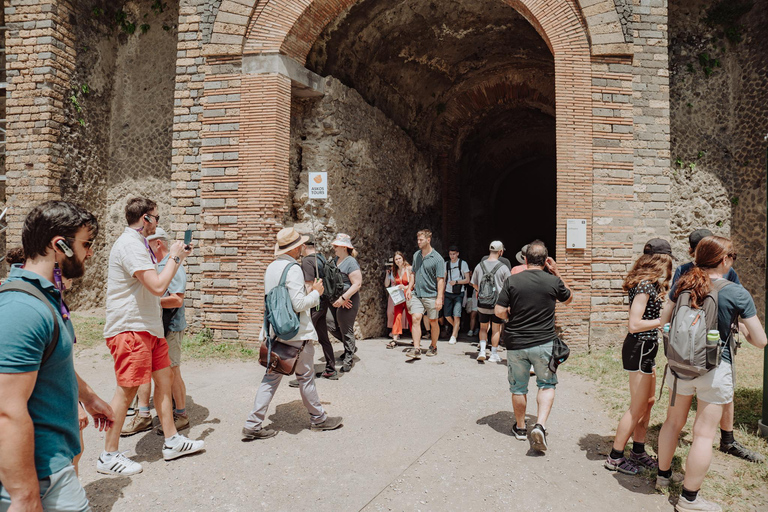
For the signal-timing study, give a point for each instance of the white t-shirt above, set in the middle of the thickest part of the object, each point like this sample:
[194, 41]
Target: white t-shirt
[454, 273]
[130, 305]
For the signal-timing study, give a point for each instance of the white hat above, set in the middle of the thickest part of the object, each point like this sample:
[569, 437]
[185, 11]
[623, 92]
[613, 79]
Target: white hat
[496, 246]
[343, 240]
[160, 234]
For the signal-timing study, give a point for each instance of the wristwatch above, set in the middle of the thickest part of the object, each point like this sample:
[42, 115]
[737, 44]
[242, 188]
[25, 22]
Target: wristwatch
[176, 259]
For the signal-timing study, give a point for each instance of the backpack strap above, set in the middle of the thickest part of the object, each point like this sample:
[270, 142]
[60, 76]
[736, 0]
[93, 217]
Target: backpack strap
[285, 274]
[34, 291]
[496, 268]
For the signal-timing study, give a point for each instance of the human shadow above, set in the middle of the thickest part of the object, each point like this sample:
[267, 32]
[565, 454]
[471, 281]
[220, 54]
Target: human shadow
[502, 422]
[104, 493]
[598, 447]
[150, 446]
[291, 418]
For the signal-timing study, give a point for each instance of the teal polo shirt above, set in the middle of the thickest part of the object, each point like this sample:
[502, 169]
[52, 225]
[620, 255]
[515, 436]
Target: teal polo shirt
[27, 327]
[427, 270]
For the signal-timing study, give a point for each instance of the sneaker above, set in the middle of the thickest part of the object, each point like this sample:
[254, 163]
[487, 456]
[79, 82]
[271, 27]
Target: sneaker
[663, 482]
[330, 423]
[413, 353]
[452, 340]
[495, 358]
[431, 351]
[697, 505]
[470, 333]
[622, 465]
[138, 423]
[180, 421]
[293, 383]
[347, 367]
[184, 446]
[520, 433]
[249, 434]
[117, 465]
[539, 438]
[330, 375]
[643, 459]
[739, 450]
[481, 355]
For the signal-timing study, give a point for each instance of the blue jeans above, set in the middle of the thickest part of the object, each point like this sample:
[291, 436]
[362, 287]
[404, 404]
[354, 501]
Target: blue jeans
[519, 364]
[60, 492]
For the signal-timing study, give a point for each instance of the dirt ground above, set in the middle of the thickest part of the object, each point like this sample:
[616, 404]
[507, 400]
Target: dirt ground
[429, 435]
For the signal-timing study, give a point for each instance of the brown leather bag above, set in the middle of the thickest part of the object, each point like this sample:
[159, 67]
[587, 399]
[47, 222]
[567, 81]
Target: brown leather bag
[282, 358]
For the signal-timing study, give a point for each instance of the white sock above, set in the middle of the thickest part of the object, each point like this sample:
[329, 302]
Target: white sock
[173, 440]
[482, 344]
[493, 350]
[105, 455]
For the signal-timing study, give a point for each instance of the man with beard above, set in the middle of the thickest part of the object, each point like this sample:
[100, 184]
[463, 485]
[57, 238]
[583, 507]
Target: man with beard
[39, 388]
[134, 333]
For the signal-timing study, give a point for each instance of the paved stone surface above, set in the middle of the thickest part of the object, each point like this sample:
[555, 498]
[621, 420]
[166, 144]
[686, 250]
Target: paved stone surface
[428, 435]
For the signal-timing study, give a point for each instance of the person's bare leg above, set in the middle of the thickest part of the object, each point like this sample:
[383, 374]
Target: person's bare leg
[76, 460]
[120, 403]
[544, 400]
[163, 405]
[179, 388]
[639, 385]
[472, 320]
[416, 330]
[726, 422]
[145, 390]
[519, 405]
[495, 334]
[700, 454]
[434, 331]
[670, 430]
[641, 430]
[456, 322]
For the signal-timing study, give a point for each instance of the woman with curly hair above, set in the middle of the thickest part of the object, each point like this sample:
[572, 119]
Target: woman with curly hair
[646, 284]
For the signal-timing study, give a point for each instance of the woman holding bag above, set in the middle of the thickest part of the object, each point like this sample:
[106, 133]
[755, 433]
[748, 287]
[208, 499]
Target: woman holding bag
[400, 317]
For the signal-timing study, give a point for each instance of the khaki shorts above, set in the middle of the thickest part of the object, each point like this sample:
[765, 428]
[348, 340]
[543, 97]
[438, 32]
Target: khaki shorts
[174, 339]
[714, 387]
[423, 306]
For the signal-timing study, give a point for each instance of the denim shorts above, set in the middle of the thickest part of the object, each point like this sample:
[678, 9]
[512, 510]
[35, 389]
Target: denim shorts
[452, 304]
[60, 492]
[519, 364]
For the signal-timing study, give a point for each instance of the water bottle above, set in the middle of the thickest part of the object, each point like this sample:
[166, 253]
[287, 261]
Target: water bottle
[713, 347]
[713, 337]
[666, 328]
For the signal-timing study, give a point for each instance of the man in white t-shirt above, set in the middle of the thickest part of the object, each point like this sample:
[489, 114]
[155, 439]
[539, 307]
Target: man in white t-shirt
[457, 277]
[500, 271]
[134, 333]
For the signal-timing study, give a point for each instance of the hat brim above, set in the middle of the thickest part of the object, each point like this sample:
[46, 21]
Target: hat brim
[520, 258]
[299, 241]
[342, 244]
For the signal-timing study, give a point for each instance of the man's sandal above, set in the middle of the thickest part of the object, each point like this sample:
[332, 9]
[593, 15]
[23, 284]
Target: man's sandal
[392, 344]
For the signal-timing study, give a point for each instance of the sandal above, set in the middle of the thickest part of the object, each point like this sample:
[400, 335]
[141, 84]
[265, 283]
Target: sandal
[392, 344]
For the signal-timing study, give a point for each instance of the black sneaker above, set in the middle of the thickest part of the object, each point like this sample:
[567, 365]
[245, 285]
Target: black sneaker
[520, 433]
[739, 450]
[539, 438]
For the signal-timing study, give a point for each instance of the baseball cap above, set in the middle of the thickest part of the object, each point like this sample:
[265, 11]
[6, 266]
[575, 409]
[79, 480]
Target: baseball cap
[657, 246]
[159, 234]
[695, 237]
[496, 246]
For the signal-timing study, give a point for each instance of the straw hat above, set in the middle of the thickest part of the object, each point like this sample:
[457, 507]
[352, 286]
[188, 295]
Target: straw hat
[343, 240]
[288, 239]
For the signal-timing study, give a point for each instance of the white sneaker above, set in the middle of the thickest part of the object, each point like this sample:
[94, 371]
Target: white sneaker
[452, 341]
[481, 355]
[117, 465]
[184, 446]
[494, 358]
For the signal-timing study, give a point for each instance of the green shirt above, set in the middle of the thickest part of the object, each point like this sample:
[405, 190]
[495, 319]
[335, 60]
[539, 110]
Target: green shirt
[427, 270]
[27, 327]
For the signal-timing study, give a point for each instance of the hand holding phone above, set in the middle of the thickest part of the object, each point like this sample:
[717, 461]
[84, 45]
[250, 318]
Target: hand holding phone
[187, 239]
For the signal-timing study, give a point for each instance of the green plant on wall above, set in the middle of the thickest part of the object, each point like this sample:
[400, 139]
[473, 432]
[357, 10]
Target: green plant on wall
[75, 99]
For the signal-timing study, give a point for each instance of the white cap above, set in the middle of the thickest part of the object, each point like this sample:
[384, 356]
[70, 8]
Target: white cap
[496, 246]
[159, 234]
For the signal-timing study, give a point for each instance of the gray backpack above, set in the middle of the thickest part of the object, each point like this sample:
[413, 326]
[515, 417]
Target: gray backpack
[487, 293]
[689, 355]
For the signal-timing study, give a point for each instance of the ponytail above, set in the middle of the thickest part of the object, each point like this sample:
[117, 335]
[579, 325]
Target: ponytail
[353, 253]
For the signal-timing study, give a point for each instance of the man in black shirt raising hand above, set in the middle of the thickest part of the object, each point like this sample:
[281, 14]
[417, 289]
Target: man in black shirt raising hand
[527, 301]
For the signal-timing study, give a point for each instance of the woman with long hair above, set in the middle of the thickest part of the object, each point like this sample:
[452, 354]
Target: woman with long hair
[646, 284]
[714, 258]
[344, 309]
[399, 278]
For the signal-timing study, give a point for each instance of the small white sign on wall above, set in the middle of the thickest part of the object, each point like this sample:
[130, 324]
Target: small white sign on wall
[576, 234]
[318, 185]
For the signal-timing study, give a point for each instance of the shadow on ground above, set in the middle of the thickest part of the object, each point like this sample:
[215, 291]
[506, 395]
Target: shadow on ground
[290, 418]
[598, 447]
[502, 422]
[104, 493]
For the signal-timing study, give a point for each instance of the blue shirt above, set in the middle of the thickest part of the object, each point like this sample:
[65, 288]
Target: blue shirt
[685, 267]
[27, 327]
[178, 285]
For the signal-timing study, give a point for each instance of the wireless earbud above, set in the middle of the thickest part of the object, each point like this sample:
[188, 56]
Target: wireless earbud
[61, 244]
[148, 218]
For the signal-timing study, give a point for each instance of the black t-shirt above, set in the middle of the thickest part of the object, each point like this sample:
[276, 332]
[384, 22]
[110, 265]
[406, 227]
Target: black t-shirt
[308, 266]
[531, 296]
[652, 309]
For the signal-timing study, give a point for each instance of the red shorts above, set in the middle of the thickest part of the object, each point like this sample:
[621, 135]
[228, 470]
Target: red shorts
[137, 355]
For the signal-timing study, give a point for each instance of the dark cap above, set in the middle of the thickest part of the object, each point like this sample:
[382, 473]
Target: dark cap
[453, 248]
[695, 237]
[657, 246]
[311, 240]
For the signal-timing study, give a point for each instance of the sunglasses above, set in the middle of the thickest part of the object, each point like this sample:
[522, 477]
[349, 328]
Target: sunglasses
[157, 218]
[87, 244]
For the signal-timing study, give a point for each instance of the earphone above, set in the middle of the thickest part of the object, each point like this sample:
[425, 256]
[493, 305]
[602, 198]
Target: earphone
[61, 244]
[148, 218]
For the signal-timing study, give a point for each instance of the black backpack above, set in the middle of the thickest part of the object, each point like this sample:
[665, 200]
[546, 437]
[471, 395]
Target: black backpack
[487, 294]
[448, 276]
[333, 279]
[30, 289]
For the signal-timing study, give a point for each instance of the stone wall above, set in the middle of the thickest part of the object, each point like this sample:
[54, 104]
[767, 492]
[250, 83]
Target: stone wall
[381, 188]
[719, 119]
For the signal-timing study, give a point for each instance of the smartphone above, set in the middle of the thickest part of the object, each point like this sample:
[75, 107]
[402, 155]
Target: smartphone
[187, 239]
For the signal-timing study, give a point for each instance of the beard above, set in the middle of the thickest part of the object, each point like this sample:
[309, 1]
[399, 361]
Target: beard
[72, 268]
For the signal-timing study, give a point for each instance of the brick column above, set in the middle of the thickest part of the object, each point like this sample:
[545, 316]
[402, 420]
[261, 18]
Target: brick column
[40, 61]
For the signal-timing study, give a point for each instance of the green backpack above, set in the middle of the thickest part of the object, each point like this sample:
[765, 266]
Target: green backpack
[278, 310]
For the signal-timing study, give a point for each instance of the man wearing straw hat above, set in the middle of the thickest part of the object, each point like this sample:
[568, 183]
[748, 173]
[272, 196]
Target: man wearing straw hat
[287, 250]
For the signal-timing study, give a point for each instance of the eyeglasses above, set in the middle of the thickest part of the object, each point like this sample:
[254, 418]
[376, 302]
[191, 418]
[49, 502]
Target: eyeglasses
[87, 244]
[157, 218]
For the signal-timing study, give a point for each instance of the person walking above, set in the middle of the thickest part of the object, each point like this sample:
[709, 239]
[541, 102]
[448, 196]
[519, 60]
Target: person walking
[728, 443]
[288, 248]
[497, 273]
[312, 263]
[528, 301]
[714, 258]
[646, 284]
[424, 295]
[344, 309]
[399, 276]
[458, 276]
[39, 387]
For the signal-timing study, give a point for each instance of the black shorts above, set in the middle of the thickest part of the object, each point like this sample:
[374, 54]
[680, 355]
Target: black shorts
[484, 319]
[639, 355]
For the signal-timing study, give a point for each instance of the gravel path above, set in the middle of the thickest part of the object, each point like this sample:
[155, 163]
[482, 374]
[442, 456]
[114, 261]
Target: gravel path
[430, 435]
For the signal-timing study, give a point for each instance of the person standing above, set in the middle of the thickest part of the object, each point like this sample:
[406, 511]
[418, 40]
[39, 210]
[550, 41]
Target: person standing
[714, 390]
[528, 300]
[39, 387]
[313, 267]
[134, 334]
[424, 294]
[344, 309]
[288, 248]
[399, 276]
[521, 266]
[457, 275]
[647, 284]
[728, 443]
[494, 266]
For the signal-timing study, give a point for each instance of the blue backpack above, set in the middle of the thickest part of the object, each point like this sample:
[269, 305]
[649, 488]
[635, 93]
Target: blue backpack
[278, 310]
